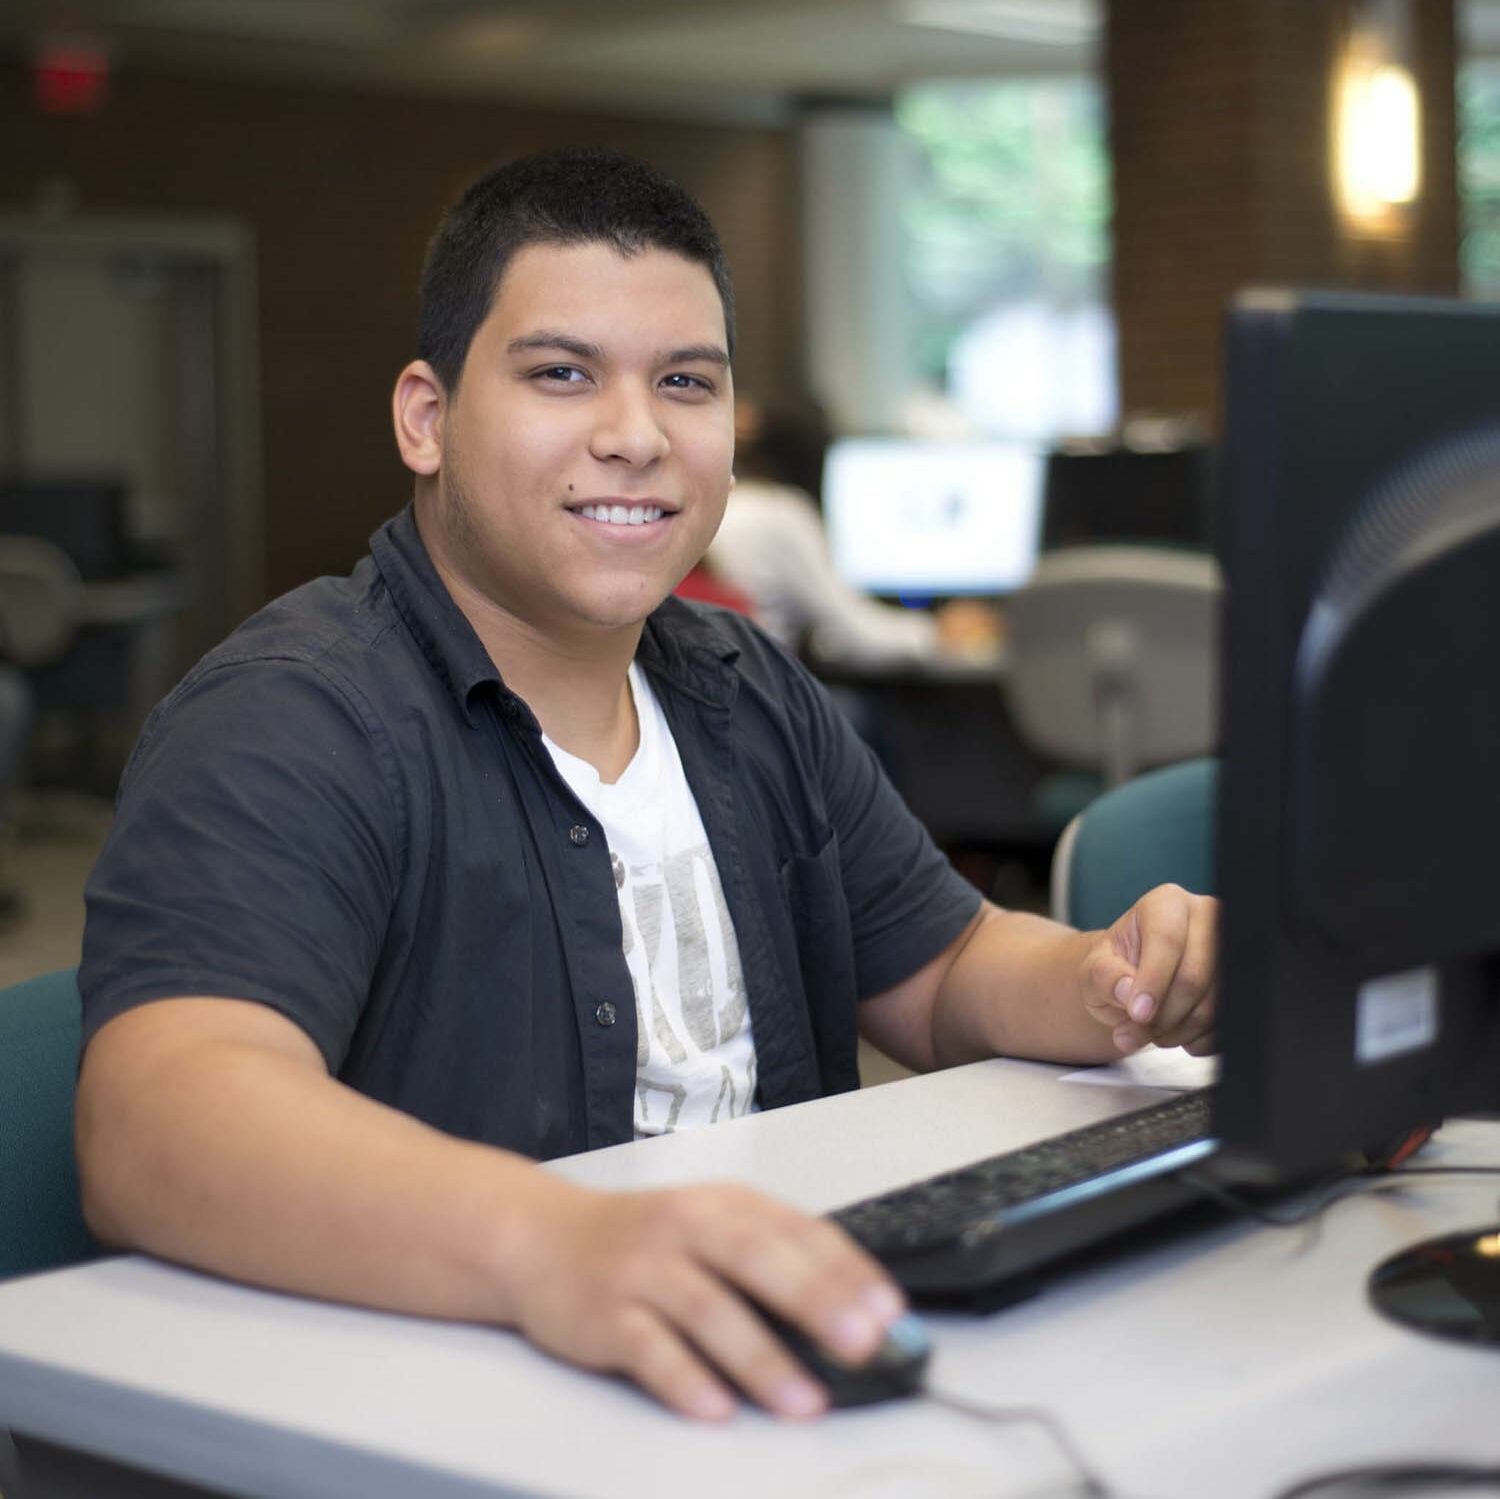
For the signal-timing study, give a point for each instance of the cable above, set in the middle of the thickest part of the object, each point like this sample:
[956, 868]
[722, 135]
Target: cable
[1089, 1484]
[1307, 1205]
[1315, 1199]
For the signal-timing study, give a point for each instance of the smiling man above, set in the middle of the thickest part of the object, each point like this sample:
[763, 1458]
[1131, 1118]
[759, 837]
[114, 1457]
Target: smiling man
[494, 851]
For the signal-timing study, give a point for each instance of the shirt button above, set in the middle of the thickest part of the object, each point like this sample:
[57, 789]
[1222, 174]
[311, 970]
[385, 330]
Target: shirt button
[605, 1014]
[579, 834]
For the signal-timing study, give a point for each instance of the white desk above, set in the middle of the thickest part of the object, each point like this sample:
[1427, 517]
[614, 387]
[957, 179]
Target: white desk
[1220, 1367]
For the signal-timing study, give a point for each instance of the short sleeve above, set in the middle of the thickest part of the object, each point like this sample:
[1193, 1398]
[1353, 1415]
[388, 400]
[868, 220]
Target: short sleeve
[254, 853]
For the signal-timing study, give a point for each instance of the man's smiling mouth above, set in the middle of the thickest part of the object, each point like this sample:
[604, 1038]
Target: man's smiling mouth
[620, 515]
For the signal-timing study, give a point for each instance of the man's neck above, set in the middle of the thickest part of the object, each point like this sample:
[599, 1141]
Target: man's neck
[576, 683]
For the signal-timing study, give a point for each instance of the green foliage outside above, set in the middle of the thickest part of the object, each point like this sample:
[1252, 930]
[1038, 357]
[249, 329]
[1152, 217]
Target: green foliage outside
[1011, 196]
[1011, 200]
[1479, 177]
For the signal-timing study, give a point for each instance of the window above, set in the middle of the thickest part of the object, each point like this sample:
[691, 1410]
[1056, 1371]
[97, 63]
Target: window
[1006, 232]
[1479, 176]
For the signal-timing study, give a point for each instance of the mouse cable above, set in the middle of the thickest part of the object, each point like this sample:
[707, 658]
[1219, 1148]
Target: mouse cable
[1087, 1484]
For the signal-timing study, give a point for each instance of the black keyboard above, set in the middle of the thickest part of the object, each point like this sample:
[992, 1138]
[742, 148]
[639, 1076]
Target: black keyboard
[985, 1232]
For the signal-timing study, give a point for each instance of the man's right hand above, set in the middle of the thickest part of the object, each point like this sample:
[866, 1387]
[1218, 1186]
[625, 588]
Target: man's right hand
[661, 1286]
[210, 1133]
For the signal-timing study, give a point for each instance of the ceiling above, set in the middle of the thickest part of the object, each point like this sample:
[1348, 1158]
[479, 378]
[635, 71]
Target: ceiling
[737, 60]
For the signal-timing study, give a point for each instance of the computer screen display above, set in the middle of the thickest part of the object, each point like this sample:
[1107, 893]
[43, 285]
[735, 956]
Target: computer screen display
[1359, 816]
[918, 519]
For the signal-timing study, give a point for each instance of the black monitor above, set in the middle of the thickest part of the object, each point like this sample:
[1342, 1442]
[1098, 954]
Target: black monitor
[1359, 818]
[1106, 492]
[84, 516]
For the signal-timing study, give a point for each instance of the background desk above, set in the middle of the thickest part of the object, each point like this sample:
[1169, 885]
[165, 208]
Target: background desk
[946, 736]
[1218, 1367]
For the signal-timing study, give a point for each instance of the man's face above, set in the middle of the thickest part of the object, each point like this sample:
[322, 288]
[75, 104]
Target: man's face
[585, 456]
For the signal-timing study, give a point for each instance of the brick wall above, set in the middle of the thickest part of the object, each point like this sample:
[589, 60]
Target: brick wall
[1219, 135]
[341, 189]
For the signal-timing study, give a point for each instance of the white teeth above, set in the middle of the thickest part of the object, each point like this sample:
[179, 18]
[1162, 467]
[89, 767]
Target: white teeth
[621, 515]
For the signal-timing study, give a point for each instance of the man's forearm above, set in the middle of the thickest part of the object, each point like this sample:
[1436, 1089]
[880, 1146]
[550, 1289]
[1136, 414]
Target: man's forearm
[1016, 989]
[245, 1160]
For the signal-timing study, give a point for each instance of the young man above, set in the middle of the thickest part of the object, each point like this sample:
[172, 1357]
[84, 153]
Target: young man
[493, 851]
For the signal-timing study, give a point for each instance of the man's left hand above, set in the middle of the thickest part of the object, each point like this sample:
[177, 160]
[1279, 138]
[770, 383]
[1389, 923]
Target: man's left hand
[1153, 976]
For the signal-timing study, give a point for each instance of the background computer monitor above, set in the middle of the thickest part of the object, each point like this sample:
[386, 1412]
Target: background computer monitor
[1359, 819]
[917, 519]
[85, 516]
[1108, 492]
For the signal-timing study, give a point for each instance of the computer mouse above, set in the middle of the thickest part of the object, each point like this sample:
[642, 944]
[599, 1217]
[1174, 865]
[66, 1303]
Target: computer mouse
[894, 1370]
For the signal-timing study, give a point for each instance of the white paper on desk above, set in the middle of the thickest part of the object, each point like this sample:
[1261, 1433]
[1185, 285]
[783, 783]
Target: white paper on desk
[1151, 1067]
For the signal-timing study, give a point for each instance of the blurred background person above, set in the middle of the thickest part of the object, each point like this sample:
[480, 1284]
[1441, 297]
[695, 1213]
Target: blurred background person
[773, 550]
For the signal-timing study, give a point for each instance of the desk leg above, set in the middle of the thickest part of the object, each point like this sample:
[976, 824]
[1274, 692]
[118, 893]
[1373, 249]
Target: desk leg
[42, 1471]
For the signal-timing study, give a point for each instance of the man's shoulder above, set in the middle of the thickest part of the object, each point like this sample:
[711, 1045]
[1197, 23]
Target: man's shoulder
[329, 646]
[345, 629]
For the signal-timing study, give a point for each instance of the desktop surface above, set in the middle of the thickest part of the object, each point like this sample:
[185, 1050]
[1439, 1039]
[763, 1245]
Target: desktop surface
[1226, 1364]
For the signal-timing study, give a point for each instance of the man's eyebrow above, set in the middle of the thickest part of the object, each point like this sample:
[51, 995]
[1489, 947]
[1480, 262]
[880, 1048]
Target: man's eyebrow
[550, 338]
[698, 354]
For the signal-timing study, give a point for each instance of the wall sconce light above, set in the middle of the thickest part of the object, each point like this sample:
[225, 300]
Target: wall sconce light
[1377, 142]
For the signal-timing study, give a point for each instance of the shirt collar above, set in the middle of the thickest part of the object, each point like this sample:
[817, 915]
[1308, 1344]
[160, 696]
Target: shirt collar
[442, 632]
[680, 643]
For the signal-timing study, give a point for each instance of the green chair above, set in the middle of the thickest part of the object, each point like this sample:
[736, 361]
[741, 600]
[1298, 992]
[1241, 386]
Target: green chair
[41, 1222]
[1153, 830]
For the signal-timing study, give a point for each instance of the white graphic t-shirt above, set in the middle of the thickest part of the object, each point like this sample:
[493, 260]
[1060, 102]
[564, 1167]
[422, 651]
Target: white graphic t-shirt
[695, 1056]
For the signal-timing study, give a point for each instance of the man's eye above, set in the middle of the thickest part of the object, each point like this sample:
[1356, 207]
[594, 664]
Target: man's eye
[688, 382]
[561, 373]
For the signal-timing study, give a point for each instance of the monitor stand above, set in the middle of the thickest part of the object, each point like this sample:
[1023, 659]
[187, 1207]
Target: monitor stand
[1449, 1287]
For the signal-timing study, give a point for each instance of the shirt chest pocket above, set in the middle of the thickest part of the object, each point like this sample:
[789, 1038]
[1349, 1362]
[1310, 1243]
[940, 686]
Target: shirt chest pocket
[813, 888]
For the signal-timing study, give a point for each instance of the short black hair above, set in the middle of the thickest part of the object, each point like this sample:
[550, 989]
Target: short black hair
[574, 195]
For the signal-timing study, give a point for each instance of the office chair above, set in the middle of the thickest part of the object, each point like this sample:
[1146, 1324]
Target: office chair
[41, 1220]
[1112, 657]
[40, 596]
[1154, 830]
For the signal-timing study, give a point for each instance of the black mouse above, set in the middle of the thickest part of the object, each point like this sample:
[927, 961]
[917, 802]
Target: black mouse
[895, 1368]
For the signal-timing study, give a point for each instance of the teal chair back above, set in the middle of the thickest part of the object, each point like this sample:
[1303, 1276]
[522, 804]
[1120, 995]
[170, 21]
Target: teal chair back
[1154, 830]
[41, 1031]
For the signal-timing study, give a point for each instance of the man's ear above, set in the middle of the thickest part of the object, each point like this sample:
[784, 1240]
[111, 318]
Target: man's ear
[417, 409]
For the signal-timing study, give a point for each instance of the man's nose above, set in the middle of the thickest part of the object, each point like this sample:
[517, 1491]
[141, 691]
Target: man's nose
[629, 426]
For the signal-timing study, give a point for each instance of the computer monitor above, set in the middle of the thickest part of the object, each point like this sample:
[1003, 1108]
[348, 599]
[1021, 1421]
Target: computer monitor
[918, 519]
[1359, 817]
[1105, 492]
[84, 516]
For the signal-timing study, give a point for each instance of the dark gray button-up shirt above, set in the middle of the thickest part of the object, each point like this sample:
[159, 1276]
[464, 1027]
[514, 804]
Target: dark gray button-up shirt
[342, 812]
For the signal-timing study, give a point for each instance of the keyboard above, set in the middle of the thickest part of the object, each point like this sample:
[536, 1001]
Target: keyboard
[986, 1233]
